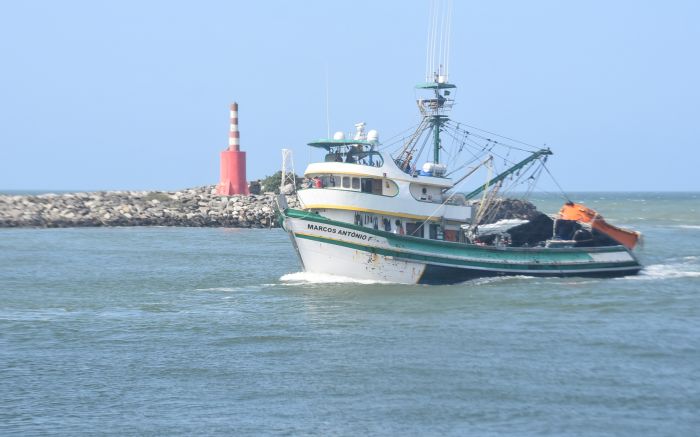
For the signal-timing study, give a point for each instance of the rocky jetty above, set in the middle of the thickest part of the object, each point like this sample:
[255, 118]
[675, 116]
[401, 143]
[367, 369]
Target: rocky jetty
[195, 207]
[198, 207]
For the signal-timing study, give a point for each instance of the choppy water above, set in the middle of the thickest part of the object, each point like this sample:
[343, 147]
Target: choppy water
[212, 331]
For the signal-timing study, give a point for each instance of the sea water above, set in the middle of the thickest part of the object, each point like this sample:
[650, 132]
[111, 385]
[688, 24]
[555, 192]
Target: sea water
[181, 331]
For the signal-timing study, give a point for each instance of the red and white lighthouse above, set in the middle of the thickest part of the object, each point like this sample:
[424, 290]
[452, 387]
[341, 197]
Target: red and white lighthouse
[233, 178]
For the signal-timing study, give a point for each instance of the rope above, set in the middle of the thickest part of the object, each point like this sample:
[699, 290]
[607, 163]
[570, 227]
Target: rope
[397, 137]
[500, 136]
[561, 190]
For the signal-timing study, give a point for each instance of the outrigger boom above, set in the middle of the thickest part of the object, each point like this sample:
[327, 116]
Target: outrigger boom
[513, 169]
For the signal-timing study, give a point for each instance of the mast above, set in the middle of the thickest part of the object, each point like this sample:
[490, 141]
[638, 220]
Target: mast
[436, 101]
[434, 108]
[436, 141]
[513, 169]
[433, 94]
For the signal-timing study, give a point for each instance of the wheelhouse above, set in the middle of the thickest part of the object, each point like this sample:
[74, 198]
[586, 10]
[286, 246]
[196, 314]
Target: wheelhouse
[359, 152]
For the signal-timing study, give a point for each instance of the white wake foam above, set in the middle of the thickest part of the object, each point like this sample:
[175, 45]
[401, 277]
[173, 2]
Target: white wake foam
[218, 289]
[324, 278]
[495, 279]
[688, 226]
[666, 271]
[252, 287]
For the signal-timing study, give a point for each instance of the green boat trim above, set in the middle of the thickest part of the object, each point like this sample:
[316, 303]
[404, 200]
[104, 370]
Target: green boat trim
[468, 256]
[479, 265]
[399, 240]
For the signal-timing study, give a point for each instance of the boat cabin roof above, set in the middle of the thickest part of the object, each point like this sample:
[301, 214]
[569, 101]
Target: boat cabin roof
[435, 85]
[328, 144]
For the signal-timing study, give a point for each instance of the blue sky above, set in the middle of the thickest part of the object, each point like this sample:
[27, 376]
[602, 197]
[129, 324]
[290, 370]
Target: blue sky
[135, 95]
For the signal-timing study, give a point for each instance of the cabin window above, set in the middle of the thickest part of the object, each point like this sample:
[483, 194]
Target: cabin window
[355, 155]
[414, 229]
[425, 193]
[373, 186]
[435, 232]
[450, 235]
[365, 185]
[334, 157]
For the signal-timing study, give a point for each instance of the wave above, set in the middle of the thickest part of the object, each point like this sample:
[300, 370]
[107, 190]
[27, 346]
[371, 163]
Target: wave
[325, 278]
[688, 226]
[665, 271]
[495, 279]
[251, 287]
[218, 289]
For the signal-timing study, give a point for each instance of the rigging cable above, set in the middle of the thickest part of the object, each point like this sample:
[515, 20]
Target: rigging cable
[566, 196]
[428, 46]
[397, 137]
[510, 146]
[533, 180]
[425, 141]
[463, 141]
[501, 136]
[449, 33]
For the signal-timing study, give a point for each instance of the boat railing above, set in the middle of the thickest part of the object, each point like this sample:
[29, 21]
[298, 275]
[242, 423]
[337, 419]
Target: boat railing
[370, 159]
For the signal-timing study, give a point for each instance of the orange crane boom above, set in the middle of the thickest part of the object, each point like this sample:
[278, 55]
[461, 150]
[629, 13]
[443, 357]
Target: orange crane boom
[584, 214]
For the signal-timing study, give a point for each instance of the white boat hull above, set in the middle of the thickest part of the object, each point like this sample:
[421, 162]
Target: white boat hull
[318, 257]
[330, 247]
[335, 259]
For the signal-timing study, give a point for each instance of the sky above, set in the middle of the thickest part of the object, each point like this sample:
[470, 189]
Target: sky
[135, 95]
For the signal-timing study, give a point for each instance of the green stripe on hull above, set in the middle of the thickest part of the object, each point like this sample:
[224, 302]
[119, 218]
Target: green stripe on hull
[405, 241]
[495, 266]
[495, 255]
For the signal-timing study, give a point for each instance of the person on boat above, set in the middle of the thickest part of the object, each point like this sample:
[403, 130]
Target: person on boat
[399, 229]
[387, 224]
[318, 183]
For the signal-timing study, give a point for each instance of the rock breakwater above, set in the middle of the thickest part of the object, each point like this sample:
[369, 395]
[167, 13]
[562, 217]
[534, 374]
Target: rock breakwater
[195, 207]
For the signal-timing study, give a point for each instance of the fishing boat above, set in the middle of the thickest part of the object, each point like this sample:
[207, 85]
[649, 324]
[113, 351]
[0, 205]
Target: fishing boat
[372, 213]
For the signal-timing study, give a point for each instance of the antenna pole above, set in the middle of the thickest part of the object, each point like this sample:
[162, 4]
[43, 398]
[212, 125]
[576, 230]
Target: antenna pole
[436, 139]
[328, 117]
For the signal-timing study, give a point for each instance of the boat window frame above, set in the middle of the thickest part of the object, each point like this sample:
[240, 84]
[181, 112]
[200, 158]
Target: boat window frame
[341, 154]
[418, 229]
[346, 182]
